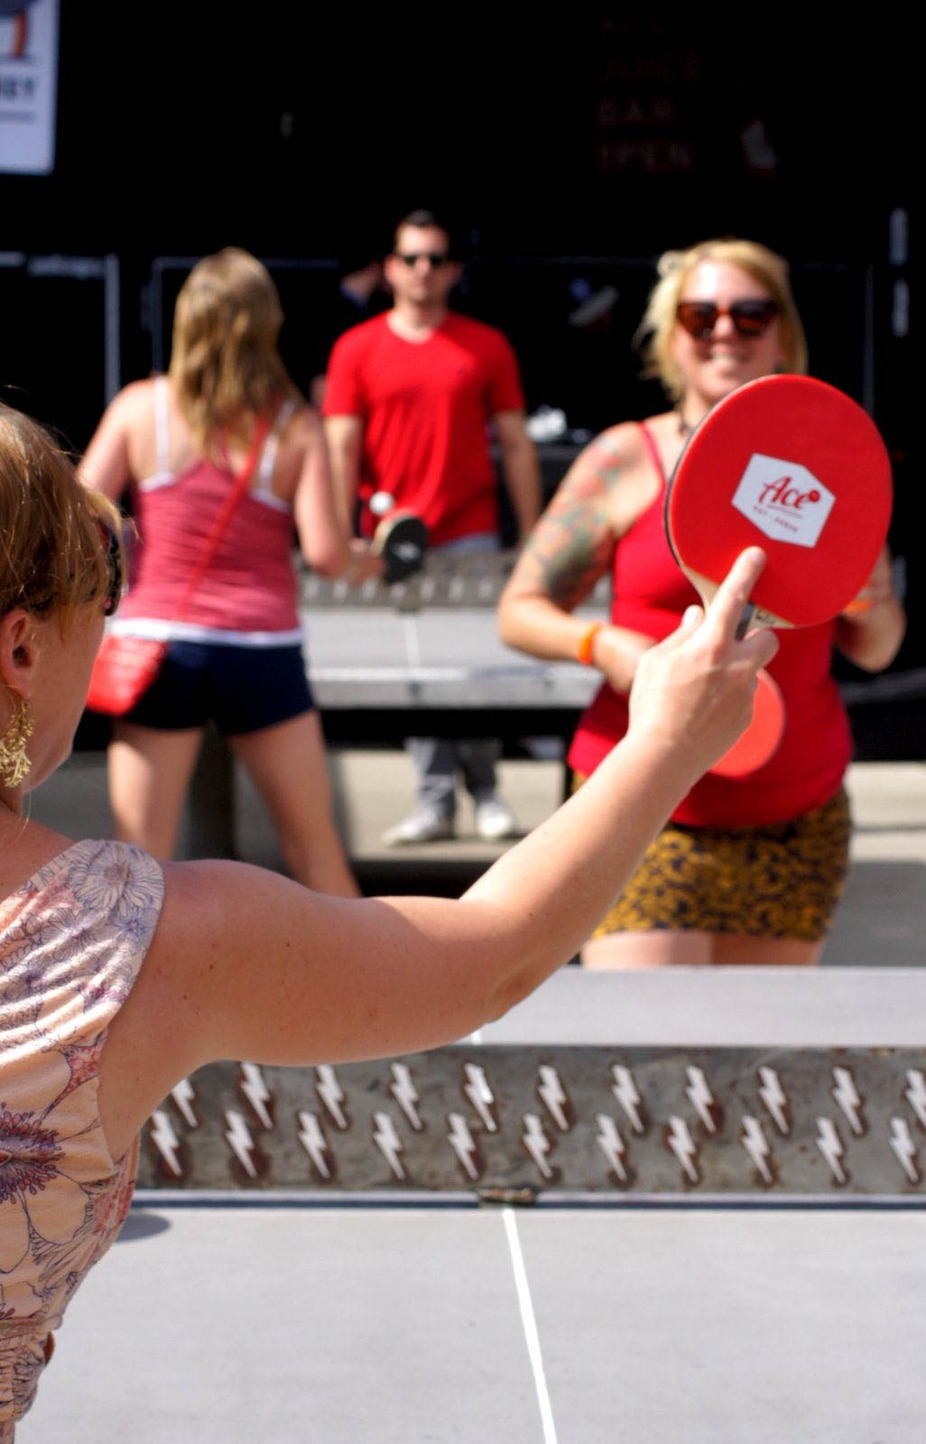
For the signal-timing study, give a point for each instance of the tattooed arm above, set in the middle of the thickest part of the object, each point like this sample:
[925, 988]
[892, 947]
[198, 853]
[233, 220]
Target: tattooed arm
[608, 486]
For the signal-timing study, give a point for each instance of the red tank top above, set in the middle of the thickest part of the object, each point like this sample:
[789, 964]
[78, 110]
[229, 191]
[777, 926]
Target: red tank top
[649, 594]
[250, 589]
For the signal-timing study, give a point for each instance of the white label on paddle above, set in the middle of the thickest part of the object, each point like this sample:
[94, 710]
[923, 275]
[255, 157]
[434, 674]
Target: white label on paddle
[784, 500]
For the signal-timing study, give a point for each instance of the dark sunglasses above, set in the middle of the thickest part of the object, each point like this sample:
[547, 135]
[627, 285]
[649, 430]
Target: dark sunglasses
[435, 259]
[750, 318]
[114, 555]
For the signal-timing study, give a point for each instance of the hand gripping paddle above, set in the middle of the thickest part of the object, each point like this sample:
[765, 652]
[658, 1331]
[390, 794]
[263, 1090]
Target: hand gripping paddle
[401, 539]
[792, 465]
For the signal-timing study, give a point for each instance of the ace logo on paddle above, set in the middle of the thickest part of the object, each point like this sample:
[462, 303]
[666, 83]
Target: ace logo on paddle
[784, 500]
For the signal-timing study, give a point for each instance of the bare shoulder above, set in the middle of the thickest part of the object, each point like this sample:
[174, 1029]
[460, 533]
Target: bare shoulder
[133, 404]
[619, 445]
[610, 463]
[301, 440]
[610, 483]
[122, 446]
[301, 426]
[232, 940]
[130, 415]
[222, 926]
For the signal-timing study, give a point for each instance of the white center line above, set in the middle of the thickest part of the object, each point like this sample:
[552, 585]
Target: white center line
[412, 649]
[530, 1326]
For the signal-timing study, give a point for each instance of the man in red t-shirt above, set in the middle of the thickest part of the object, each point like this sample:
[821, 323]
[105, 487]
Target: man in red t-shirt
[410, 398]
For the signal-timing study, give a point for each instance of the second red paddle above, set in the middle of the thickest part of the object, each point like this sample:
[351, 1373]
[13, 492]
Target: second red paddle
[757, 744]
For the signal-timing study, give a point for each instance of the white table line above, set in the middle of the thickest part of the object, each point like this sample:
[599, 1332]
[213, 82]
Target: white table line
[529, 1322]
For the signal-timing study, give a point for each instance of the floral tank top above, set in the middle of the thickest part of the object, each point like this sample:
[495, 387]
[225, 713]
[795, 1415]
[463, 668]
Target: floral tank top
[72, 940]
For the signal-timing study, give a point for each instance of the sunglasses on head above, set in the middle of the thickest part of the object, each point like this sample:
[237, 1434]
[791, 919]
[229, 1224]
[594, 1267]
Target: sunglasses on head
[750, 318]
[116, 573]
[435, 259]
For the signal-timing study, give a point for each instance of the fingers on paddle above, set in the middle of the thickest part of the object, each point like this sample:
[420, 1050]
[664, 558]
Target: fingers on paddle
[731, 601]
[732, 595]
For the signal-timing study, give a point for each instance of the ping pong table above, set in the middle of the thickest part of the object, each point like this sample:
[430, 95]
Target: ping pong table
[425, 652]
[778, 1301]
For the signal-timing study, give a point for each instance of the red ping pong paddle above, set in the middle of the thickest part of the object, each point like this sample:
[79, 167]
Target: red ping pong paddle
[756, 745]
[401, 539]
[793, 465]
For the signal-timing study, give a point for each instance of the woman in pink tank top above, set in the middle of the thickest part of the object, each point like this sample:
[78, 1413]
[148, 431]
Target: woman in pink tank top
[170, 446]
[749, 869]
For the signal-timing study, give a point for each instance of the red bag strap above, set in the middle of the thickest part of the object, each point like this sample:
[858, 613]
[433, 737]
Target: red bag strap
[235, 493]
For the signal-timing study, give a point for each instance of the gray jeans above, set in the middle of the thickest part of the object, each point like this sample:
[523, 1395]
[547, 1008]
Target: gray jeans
[439, 761]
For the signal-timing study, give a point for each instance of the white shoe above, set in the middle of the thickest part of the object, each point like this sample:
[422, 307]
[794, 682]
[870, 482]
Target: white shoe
[425, 824]
[495, 820]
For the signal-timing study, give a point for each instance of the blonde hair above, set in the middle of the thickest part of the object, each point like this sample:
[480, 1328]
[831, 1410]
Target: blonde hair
[225, 368]
[54, 554]
[654, 334]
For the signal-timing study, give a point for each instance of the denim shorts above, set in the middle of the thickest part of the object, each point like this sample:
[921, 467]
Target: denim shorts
[239, 689]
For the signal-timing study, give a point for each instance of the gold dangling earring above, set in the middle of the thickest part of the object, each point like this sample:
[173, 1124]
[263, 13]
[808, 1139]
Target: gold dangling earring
[14, 764]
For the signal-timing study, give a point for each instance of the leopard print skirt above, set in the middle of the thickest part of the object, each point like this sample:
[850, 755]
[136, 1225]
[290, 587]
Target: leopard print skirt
[781, 881]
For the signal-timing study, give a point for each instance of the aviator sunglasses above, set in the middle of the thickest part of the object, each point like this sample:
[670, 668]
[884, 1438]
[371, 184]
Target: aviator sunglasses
[435, 259]
[750, 318]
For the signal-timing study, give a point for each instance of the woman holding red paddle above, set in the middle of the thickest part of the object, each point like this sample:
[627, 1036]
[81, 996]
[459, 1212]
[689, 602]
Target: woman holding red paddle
[750, 868]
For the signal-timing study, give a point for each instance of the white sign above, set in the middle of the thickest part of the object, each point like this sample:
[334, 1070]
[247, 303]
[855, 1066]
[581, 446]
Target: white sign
[784, 500]
[28, 86]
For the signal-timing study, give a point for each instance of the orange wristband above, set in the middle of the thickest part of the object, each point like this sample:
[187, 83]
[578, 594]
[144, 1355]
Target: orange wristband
[586, 642]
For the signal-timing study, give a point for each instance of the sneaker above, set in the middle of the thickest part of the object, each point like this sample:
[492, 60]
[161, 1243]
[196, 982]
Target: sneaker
[425, 824]
[495, 820]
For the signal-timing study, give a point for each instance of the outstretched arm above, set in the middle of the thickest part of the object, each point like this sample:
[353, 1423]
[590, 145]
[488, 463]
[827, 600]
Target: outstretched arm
[247, 964]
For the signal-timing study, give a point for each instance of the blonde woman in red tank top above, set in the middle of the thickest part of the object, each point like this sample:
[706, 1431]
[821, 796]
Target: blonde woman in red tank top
[748, 870]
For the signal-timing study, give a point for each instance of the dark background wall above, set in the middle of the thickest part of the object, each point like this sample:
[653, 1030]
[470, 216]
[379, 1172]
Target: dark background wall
[568, 147]
[602, 129]
[594, 137]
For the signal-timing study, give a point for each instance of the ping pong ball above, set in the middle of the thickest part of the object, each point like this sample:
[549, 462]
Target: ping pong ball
[380, 503]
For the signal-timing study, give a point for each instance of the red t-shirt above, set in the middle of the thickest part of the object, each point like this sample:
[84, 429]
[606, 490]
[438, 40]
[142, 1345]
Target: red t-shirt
[650, 593]
[426, 407]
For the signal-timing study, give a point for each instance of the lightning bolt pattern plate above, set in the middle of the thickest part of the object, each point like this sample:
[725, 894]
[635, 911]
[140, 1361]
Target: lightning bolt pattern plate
[599, 1120]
